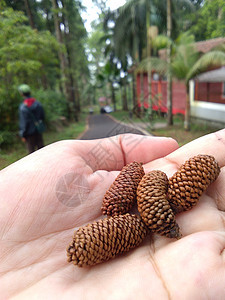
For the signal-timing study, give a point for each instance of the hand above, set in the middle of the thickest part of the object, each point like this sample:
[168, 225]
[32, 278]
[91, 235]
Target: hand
[50, 193]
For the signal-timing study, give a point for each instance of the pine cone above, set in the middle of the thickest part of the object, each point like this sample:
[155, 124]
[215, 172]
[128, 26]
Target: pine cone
[104, 239]
[154, 207]
[191, 180]
[121, 195]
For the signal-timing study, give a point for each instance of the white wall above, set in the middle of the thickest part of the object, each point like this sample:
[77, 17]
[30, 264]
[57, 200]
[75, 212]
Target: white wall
[206, 110]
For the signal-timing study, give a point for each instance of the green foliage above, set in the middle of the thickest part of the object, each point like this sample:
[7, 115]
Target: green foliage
[210, 20]
[185, 56]
[213, 59]
[26, 56]
[54, 104]
[7, 138]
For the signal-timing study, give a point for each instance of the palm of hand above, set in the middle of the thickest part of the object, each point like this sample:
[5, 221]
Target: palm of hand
[34, 234]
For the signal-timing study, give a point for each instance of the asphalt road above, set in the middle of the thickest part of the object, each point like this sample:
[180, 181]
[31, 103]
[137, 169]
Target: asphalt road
[101, 126]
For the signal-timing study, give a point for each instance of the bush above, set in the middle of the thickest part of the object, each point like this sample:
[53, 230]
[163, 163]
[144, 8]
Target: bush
[7, 138]
[54, 104]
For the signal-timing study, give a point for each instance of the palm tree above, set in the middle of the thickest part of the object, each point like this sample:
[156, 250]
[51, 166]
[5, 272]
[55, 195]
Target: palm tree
[132, 24]
[184, 56]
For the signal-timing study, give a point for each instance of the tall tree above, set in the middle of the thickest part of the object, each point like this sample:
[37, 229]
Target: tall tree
[185, 57]
[169, 76]
[210, 20]
[29, 13]
[26, 55]
[130, 32]
[74, 37]
[62, 57]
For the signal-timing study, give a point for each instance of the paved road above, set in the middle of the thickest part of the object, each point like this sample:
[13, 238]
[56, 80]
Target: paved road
[101, 126]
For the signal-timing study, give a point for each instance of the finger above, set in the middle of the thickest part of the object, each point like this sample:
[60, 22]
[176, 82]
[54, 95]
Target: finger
[115, 152]
[217, 190]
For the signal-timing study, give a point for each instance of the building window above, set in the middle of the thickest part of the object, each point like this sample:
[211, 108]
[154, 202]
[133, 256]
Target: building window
[155, 76]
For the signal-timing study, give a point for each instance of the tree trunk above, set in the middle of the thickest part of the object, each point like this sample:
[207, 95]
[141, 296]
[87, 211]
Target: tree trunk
[62, 57]
[121, 95]
[29, 14]
[125, 105]
[148, 24]
[169, 77]
[135, 107]
[113, 97]
[72, 86]
[187, 125]
[142, 93]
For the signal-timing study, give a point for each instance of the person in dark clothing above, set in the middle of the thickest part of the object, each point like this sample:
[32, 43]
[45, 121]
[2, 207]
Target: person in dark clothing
[29, 110]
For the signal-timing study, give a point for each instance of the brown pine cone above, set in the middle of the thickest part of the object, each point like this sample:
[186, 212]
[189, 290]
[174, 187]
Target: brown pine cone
[121, 195]
[154, 207]
[191, 180]
[104, 239]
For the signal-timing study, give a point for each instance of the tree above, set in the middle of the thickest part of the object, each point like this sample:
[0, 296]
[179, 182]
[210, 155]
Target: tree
[61, 52]
[210, 60]
[26, 55]
[110, 75]
[210, 20]
[74, 36]
[62, 18]
[184, 56]
[169, 76]
[29, 13]
[131, 29]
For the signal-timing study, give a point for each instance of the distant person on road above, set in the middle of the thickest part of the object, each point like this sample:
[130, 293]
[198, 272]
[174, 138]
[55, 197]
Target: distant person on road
[31, 120]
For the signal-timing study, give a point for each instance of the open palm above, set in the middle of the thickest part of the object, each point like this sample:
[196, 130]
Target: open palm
[47, 195]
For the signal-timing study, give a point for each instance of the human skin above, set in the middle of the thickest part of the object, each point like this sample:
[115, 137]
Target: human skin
[50, 193]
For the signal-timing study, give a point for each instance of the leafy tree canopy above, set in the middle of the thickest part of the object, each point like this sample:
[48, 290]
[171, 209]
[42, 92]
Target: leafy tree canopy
[210, 20]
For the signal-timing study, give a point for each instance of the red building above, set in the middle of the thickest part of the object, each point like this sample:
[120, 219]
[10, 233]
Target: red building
[204, 91]
[159, 94]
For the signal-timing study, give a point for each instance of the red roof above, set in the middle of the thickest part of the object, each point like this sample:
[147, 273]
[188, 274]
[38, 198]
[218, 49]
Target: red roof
[206, 46]
[202, 46]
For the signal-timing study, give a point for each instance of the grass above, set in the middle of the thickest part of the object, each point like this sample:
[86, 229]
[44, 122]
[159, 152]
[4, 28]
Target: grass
[181, 136]
[124, 116]
[176, 131]
[18, 150]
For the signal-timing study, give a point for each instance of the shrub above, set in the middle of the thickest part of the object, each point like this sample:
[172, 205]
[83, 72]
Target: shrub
[54, 104]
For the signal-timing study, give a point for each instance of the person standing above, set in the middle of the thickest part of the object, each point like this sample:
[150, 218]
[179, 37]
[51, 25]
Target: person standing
[31, 113]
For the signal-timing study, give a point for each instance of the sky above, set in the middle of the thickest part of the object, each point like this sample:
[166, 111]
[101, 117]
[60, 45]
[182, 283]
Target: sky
[92, 12]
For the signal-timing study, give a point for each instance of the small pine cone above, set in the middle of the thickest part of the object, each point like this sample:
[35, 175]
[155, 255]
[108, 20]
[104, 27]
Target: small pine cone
[190, 181]
[154, 207]
[121, 195]
[104, 239]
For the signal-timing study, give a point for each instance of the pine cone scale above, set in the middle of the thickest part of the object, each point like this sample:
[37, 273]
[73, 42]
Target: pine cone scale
[121, 196]
[119, 234]
[191, 180]
[153, 206]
